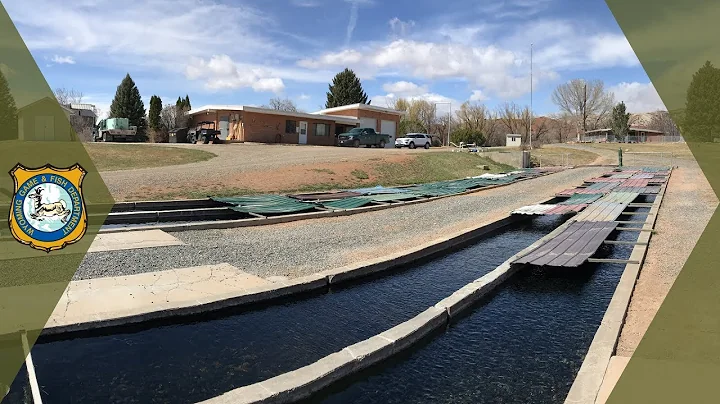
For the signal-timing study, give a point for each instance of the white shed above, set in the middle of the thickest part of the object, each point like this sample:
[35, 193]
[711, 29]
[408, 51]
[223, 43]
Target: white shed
[513, 140]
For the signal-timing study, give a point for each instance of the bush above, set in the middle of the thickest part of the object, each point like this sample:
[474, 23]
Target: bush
[436, 142]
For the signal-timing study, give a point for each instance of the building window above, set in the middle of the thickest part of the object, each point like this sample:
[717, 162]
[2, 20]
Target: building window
[322, 129]
[290, 126]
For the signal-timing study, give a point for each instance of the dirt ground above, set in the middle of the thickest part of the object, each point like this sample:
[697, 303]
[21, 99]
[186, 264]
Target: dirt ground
[687, 207]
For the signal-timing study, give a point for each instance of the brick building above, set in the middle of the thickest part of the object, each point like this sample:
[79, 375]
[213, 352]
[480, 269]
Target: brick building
[251, 124]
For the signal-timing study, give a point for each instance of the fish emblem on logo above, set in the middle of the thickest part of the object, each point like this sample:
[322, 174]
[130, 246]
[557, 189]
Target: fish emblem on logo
[47, 211]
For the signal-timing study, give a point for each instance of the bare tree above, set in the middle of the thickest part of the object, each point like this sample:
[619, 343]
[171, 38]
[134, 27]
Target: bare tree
[279, 104]
[662, 121]
[68, 96]
[563, 127]
[587, 101]
[173, 117]
[509, 115]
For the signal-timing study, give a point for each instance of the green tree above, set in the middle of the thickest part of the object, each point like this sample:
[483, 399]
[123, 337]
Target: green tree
[346, 89]
[187, 102]
[183, 103]
[8, 111]
[701, 120]
[154, 113]
[620, 121]
[128, 104]
[467, 135]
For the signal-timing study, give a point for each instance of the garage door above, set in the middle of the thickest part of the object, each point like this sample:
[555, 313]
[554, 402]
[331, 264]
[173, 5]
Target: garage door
[368, 123]
[389, 128]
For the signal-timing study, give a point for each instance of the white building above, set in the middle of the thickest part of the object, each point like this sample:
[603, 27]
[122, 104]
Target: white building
[513, 140]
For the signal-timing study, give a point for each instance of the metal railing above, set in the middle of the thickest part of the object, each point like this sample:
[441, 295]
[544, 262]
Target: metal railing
[564, 159]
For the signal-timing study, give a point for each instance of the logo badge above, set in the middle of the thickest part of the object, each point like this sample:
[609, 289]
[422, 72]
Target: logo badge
[48, 211]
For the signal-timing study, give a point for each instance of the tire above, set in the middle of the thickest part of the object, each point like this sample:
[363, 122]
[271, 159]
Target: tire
[205, 140]
[427, 145]
[382, 144]
[356, 143]
[412, 145]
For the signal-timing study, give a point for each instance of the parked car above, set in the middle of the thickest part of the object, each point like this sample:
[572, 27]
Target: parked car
[367, 137]
[413, 140]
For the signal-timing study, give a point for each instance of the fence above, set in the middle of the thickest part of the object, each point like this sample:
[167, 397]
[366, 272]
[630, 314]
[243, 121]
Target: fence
[551, 160]
[632, 139]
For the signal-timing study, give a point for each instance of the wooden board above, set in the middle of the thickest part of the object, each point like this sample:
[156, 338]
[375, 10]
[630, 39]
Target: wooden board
[571, 248]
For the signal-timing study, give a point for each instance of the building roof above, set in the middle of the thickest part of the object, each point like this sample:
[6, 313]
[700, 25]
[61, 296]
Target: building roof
[45, 99]
[212, 108]
[365, 107]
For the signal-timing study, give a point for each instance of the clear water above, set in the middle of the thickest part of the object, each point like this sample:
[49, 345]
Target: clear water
[523, 344]
[191, 362]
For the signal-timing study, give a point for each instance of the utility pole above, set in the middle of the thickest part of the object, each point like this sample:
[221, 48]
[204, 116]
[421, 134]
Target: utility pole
[531, 94]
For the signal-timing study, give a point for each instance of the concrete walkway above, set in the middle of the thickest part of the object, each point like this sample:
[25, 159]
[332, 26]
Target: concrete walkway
[103, 298]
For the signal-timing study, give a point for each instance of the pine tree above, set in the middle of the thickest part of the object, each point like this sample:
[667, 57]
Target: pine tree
[8, 111]
[179, 102]
[128, 104]
[187, 102]
[345, 89]
[154, 112]
[620, 121]
[701, 122]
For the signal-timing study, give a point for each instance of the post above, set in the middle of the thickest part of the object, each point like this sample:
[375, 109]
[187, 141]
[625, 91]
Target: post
[531, 94]
[449, 121]
[620, 162]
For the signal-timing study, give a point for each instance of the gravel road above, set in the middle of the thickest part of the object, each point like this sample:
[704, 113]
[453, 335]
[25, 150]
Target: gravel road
[306, 247]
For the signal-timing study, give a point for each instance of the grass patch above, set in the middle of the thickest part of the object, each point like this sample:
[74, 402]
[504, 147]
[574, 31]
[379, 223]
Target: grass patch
[440, 166]
[323, 170]
[553, 155]
[111, 157]
[360, 174]
[679, 150]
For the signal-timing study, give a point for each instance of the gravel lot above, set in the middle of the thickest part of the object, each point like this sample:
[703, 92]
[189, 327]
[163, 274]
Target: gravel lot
[237, 158]
[306, 247]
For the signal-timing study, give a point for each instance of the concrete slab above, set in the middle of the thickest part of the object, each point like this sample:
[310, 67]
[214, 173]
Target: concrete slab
[133, 240]
[90, 300]
[612, 375]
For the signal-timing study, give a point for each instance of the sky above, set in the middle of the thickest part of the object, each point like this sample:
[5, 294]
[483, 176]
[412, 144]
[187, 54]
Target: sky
[245, 52]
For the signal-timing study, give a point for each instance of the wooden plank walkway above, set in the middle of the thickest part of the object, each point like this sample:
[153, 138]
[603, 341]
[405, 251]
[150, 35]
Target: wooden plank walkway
[580, 199]
[639, 190]
[607, 209]
[572, 247]
[635, 182]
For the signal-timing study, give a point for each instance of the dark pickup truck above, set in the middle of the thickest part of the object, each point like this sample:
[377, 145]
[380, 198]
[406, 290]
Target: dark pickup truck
[363, 137]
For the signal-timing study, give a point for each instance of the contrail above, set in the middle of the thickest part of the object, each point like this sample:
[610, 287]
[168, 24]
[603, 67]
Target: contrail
[353, 21]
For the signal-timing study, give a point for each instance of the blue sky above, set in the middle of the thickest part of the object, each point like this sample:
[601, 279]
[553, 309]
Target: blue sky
[249, 51]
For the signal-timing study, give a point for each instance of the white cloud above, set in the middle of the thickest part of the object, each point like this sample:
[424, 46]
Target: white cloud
[478, 96]
[304, 97]
[638, 97]
[63, 60]
[306, 3]
[442, 108]
[401, 28]
[221, 72]
[341, 58]
[405, 88]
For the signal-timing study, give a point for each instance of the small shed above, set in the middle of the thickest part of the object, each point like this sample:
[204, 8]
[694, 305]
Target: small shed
[513, 140]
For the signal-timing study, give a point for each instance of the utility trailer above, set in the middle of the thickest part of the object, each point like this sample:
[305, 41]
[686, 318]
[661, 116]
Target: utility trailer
[115, 129]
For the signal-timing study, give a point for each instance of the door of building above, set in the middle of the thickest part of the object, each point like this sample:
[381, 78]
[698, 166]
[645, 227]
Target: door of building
[302, 135]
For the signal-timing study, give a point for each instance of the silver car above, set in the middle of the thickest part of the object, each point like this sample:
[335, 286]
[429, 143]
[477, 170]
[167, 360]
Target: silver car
[413, 140]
